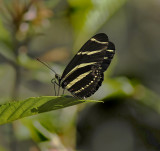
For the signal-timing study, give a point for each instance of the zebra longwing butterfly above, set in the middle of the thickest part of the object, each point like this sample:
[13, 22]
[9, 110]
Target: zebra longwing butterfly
[84, 74]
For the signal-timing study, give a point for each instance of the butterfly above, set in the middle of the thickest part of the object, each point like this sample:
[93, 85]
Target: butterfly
[85, 73]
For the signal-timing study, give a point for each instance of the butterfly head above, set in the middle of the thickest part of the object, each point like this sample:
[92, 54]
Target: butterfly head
[58, 78]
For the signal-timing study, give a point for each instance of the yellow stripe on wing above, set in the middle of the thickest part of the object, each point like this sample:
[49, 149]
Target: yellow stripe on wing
[109, 50]
[76, 67]
[89, 52]
[100, 42]
[80, 77]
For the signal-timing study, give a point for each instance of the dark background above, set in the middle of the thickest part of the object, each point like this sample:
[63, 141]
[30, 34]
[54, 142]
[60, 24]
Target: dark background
[54, 30]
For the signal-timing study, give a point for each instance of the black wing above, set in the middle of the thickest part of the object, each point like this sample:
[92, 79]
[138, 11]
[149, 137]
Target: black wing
[84, 74]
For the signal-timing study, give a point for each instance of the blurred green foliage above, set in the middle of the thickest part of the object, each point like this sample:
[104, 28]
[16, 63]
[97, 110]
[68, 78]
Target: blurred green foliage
[54, 30]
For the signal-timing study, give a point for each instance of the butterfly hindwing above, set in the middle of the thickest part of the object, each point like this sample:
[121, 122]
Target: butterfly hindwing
[89, 84]
[84, 74]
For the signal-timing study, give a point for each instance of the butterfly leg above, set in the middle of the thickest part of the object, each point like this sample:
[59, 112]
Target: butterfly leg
[54, 89]
[53, 81]
[63, 91]
[58, 90]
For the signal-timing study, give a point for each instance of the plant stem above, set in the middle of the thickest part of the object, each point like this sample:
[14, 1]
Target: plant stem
[13, 140]
[16, 85]
[15, 91]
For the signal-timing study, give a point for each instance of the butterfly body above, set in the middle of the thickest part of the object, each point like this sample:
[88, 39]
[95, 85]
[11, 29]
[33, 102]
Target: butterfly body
[85, 72]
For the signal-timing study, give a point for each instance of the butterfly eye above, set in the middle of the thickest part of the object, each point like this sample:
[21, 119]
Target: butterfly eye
[57, 77]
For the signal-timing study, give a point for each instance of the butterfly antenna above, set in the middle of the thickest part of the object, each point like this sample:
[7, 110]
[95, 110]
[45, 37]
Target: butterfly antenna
[46, 65]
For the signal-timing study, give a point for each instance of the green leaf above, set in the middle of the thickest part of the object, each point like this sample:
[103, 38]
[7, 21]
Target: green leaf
[18, 109]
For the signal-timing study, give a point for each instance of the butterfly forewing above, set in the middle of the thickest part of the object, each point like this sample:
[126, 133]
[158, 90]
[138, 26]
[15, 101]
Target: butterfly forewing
[84, 74]
[89, 46]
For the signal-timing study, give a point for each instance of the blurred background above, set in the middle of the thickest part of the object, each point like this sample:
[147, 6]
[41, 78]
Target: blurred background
[54, 30]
